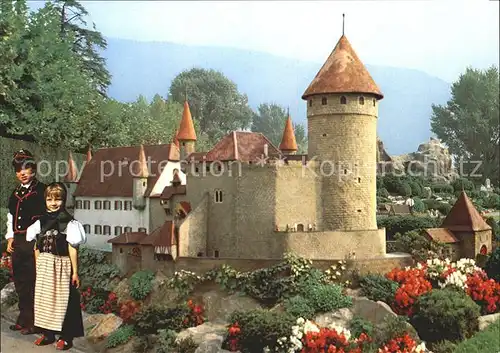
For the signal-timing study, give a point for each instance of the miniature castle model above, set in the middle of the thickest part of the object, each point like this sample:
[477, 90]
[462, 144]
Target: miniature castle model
[246, 198]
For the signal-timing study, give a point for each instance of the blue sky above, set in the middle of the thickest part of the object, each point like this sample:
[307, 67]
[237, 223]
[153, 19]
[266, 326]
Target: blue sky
[440, 37]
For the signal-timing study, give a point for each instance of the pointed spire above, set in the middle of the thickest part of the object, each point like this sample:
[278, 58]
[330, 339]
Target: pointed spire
[176, 139]
[288, 142]
[141, 168]
[71, 175]
[89, 154]
[343, 72]
[186, 129]
[464, 216]
[343, 23]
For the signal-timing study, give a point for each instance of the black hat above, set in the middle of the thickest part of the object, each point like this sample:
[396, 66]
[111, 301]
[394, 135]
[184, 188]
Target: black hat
[23, 159]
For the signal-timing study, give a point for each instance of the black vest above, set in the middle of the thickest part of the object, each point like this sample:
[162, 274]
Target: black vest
[26, 205]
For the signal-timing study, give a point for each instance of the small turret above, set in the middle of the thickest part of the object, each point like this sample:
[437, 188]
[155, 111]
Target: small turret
[89, 155]
[140, 176]
[186, 135]
[288, 143]
[71, 181]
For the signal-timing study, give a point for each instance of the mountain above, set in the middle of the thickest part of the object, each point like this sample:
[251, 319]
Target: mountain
[148, 68]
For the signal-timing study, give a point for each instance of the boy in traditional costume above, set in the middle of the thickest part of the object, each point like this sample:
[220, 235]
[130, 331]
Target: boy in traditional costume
[26, 204]
[57, 300]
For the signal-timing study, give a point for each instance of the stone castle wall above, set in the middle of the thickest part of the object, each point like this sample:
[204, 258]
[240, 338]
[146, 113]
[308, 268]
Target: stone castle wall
[343, 138]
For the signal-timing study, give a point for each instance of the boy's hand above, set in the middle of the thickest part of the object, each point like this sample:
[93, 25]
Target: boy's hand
[75, 280]
[10, 248]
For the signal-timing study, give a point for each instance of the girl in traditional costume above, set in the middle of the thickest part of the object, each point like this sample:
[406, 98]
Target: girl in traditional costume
[57, 300]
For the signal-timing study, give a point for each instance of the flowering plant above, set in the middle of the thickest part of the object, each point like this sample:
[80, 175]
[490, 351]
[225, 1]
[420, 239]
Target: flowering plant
[412, 285]
[485, 292]
[402, 344]
[128, 308]
[6, 262]
[98, 301]
[195, 316]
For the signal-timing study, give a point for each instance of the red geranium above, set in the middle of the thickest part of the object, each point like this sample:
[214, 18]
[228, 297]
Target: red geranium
[485, 292]
[412, 285]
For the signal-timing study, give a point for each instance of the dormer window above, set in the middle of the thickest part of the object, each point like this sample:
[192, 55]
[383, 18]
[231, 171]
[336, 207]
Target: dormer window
[362, 100]
[343, 100]
[324, 101]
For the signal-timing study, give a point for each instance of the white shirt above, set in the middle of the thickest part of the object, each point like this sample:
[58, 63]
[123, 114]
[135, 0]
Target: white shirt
[75, 234]
[10, 232]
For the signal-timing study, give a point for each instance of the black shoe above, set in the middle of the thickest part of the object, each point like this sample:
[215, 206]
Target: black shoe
[15, 327]
[28, 331]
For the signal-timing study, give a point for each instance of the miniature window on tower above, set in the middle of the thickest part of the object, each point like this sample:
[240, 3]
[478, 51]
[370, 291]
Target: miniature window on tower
[310, 102]
[374, 102]
[324, 101]
[362, 100]
[343, 100]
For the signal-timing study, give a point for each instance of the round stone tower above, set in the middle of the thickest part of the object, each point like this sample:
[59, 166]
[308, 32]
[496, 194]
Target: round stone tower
[342, 112]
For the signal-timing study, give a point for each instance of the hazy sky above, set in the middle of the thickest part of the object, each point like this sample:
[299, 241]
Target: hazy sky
[440, 37]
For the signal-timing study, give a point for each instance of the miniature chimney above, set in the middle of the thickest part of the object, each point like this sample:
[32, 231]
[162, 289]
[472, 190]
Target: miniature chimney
[266, 150]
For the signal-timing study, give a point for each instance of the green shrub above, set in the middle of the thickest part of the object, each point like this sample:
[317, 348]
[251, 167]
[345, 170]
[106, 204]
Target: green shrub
[4, 277]
[392, 183]
[443, 347]
[359, 325]
[186, 345]
[298, 306]
[326, 297]
[404, 189]
[94, 269]
[392, 326]
[378, 288]
[261, 328]
[495, 228]
[383, 192]
[418, 245]
[492, 201]
[166, 341]
[487, 341]
[443, 207]
[442, 188]
[445, 314]
[153, 318]
[462, 184]
[416, 189]
[419, 205]
[403, 224]
[492, 266]
[141, 284]
[120, 336]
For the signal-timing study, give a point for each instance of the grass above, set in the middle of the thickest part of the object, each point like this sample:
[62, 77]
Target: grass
[487, 341]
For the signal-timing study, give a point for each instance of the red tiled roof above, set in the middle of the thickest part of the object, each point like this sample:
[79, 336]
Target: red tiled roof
[109, 172]
[186, 129]
[288, 142]
[128, 238]
[343, 72]
[71, 176]
[186, 206]
[441, 235]
[241, 146]
[176, 140]
[464, 216]
[172, 190]
[161, 236]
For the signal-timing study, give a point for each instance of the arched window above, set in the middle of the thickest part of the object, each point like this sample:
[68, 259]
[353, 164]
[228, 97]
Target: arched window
[362, 100]
[324, 101]
[374, 102]
[484, 250]
[343, 100]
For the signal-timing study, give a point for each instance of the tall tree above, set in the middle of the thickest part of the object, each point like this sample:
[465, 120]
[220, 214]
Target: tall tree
[270, 120]
[214, 101]
[86, 41]
[469, 123]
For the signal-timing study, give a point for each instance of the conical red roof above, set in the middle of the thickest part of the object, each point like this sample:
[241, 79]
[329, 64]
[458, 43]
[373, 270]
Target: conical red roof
[343, 72]
[141, 167]
[71, 175]
[464, 216]
[89, 154]
[186, 129]
[288, 142]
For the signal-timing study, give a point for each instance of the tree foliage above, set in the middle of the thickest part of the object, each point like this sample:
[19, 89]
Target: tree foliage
[270, 120]
[469, 122]
[214, 100]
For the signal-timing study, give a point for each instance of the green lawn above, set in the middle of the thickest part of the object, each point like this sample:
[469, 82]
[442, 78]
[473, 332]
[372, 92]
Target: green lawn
[487, 341]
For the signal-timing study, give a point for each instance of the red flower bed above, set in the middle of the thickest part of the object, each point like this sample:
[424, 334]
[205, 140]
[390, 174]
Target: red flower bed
[412, 285]
[330, 341]
[404, 344]
[485, 292]
[102, 301]
[128, 308]
[195, 317]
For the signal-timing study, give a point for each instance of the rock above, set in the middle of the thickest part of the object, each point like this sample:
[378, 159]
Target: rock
[161, 294]
[486, 320]
[219, 306]
[427, 191]
[122, 290]
[340, 317]
[7, 292]
[101, 326]
[375, 312]
[208, 331]
[211, 346]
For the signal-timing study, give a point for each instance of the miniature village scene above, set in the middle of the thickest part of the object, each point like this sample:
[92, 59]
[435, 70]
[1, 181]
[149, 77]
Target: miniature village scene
[212, 228]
